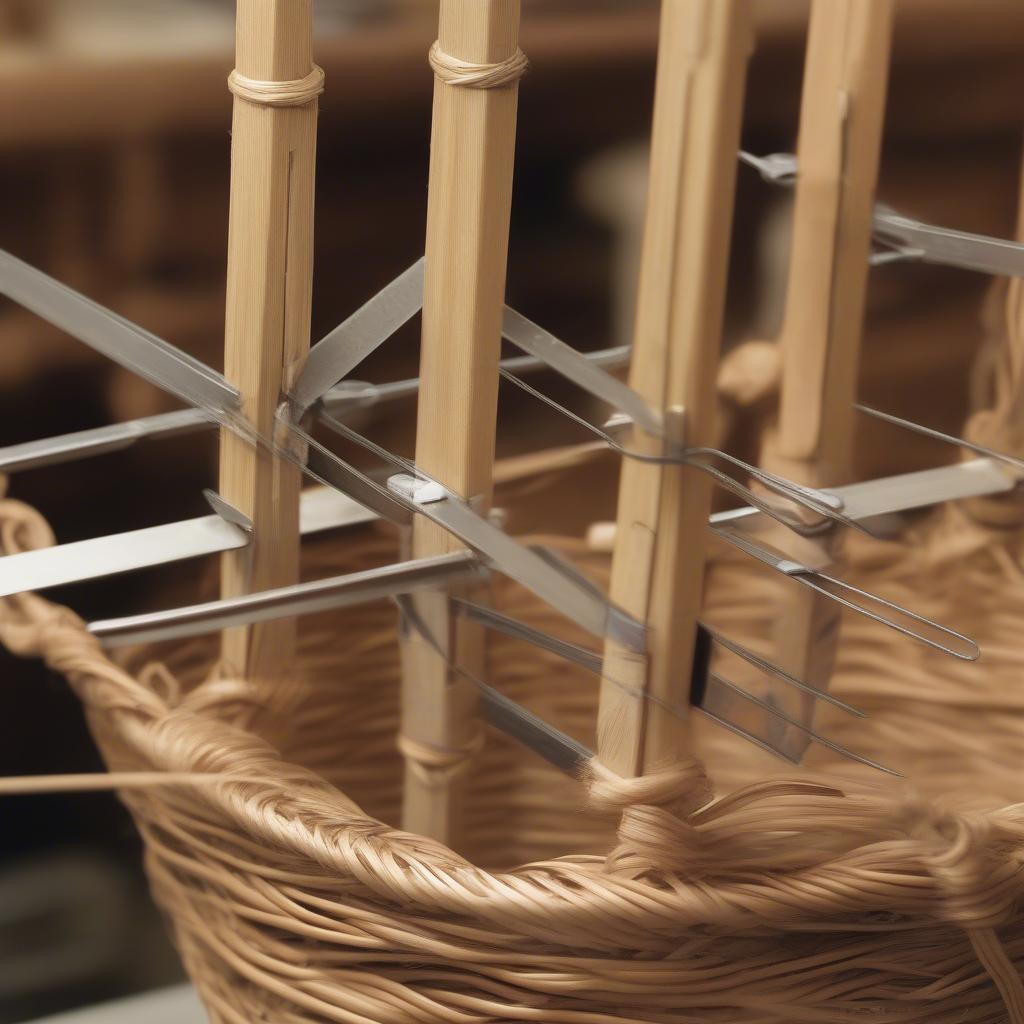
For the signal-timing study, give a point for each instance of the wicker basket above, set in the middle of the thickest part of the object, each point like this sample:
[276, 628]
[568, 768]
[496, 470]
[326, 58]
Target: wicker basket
[824, 896]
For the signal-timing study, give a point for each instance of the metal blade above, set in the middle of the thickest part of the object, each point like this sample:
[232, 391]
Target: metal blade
[931, 243]
[583, 372]
[82, 444]
[301, 599]
[338, 353]
[118, 339]
[159, 545]
[906, 491]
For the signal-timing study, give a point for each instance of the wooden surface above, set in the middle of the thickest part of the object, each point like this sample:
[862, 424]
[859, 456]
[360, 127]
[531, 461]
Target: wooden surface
[840, 141]
[841, 120]
[470, 196]
[270, 250]
[658, 564]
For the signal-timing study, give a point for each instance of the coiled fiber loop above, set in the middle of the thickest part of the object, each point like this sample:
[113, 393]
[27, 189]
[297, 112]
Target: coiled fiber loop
[653, 831]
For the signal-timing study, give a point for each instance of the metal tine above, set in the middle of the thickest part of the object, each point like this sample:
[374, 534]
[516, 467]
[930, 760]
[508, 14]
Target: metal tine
[752, 658]
[820, 502]
[491, 619]
[825, 503]
[81, 444]
[931, 243]
[776, 168]
[557, 748]
[575, 366]
[126, 343]
[98, 557]
[346, 395]
[938, 435]
[913, 239]
[836, 590]
[780, 715]
[299, 599]
[592, 661]
[340, 351]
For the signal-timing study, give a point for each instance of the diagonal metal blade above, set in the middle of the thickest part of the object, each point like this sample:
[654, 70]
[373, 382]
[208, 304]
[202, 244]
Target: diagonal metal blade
[338, 353]
[52, 451]
[300, 599]
[583, 372]
[321, 509]
[118, 339]
[931, 243]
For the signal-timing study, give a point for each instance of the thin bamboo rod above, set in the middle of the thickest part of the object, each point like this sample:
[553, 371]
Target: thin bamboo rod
[468, 209]
[841, 121]
[270, 257]
[841, 125]
[658, 564]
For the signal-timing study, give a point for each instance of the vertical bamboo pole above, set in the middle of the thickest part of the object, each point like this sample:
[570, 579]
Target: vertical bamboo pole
[270, 257]
[658, 564]
[1001, 425]
[468, 209]
[841, 122]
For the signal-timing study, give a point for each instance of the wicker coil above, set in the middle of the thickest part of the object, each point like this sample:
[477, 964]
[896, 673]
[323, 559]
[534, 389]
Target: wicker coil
[823, 895]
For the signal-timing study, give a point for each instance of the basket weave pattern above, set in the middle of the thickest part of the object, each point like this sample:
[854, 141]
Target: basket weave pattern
[818, 897]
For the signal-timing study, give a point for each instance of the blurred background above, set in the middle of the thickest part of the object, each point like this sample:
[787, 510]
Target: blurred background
[114, 150]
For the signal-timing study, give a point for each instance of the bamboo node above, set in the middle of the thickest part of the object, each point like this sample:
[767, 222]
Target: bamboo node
[464, 74]
[296, 93]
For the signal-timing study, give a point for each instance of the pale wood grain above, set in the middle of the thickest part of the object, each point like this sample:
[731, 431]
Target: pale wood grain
[842, 110]
[470, 195]
[841, 122]
[658, 564]
[270, 255]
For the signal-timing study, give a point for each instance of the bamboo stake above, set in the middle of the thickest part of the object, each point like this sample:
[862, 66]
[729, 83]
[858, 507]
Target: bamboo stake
[470, 195]
[658, 565]
[841, 122]
[270, 257]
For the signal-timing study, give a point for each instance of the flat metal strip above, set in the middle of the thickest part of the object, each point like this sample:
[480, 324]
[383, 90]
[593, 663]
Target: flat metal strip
[300, 599]
[52, 451]
[321, 509]
[584, 372]
[338, 353]
[118, 339]
[932, 243]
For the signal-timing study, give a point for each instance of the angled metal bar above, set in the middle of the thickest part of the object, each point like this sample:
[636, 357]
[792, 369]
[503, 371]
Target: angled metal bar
[903, 492]
[338, 353]
[583, 372]
[857, 600]
[118, 339]
[300, 599]
[356, 394]
[83, 444]
[118, 553]
[931, 243]
[913, 239]
[714, 702]
[938, 435]
[322, 509]
[511, 718]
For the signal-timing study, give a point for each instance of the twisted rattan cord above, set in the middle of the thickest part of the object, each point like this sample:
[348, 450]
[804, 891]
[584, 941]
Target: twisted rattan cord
[278, 94]
[290, 903]
[466, 75]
